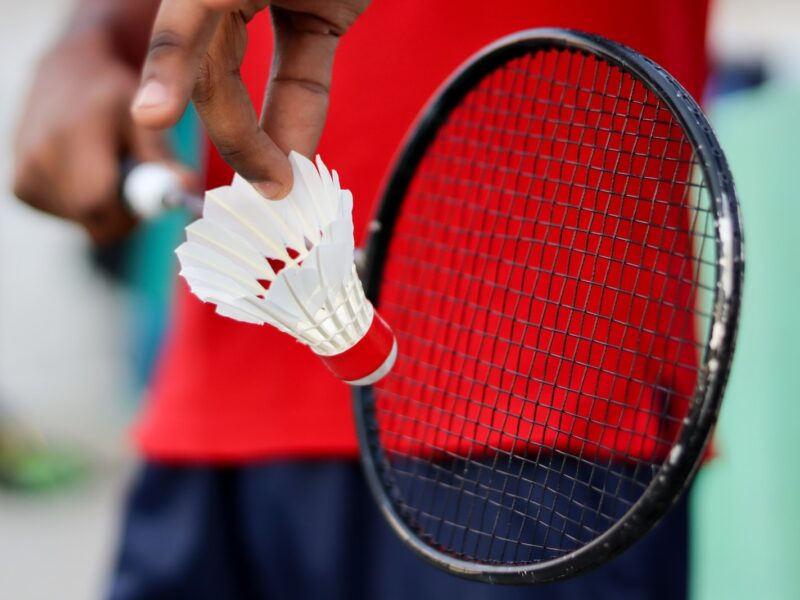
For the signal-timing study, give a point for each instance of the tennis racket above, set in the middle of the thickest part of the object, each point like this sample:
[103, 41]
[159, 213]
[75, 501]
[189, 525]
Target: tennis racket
[558, 251]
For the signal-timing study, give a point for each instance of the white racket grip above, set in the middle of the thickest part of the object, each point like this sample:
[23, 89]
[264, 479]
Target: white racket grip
[150, 188]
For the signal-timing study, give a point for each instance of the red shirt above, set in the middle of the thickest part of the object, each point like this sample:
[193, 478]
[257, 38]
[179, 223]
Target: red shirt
[231, 391]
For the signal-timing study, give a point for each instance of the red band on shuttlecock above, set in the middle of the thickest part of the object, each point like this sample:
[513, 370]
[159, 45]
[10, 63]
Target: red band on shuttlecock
[369, 359]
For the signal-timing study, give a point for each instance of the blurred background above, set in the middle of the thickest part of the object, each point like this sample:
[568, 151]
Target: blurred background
[79, 331]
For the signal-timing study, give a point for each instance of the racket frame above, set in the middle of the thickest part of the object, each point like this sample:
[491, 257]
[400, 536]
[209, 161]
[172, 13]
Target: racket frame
[677, 472]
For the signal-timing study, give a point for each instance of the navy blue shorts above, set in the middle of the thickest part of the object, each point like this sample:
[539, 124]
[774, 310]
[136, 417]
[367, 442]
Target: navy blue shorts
[309, 529]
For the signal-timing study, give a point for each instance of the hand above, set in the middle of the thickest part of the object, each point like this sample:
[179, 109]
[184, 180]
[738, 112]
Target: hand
[74, 132]
[196, 50]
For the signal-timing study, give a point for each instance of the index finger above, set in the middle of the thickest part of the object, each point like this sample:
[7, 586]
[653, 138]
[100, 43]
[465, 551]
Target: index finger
[224, 105]
[182, 32]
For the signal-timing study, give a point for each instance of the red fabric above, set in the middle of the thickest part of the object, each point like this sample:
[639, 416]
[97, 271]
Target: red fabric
[230, 391]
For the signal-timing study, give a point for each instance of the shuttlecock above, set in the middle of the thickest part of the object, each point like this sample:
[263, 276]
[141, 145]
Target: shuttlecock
[289, 263]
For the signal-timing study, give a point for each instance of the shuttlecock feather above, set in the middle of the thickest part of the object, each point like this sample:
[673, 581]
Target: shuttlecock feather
[289, 263]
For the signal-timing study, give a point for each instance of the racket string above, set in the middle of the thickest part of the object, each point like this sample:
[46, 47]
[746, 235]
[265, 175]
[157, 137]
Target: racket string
[439, 216]
[541, 282]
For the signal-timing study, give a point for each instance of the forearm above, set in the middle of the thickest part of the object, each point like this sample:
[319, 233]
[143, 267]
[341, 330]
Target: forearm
[122, 26]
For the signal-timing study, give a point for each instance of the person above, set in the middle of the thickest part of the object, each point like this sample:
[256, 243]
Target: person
[251, 486]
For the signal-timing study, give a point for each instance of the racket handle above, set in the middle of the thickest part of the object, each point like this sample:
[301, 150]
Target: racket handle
[149, 189]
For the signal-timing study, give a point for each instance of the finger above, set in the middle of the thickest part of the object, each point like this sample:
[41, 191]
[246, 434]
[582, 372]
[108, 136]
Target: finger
[110, 225]
[224, 105]
[182, 32]
[296, 103]
[92, 169]
[89, 188]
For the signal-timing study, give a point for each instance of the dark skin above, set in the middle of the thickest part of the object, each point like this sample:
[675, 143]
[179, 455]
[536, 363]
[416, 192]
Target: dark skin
[67, 158]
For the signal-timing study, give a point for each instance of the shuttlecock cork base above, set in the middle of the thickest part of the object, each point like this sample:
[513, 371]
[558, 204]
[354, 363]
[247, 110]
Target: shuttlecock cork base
[369, 359]
[290, 263]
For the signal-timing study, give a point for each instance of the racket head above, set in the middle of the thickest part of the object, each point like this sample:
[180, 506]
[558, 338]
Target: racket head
[715, 297]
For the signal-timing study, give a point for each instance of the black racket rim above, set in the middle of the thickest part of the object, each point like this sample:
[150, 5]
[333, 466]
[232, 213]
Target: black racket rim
[677, 472]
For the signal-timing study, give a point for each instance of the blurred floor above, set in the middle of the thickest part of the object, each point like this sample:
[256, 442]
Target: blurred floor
[63, 366]
[60, 546]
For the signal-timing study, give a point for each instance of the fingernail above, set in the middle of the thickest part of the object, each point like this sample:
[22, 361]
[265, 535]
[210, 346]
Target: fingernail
[269, 189]
[152, 94]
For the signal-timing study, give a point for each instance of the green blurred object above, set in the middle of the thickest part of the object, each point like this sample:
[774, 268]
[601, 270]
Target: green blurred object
[746, 530]
[29, 464]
